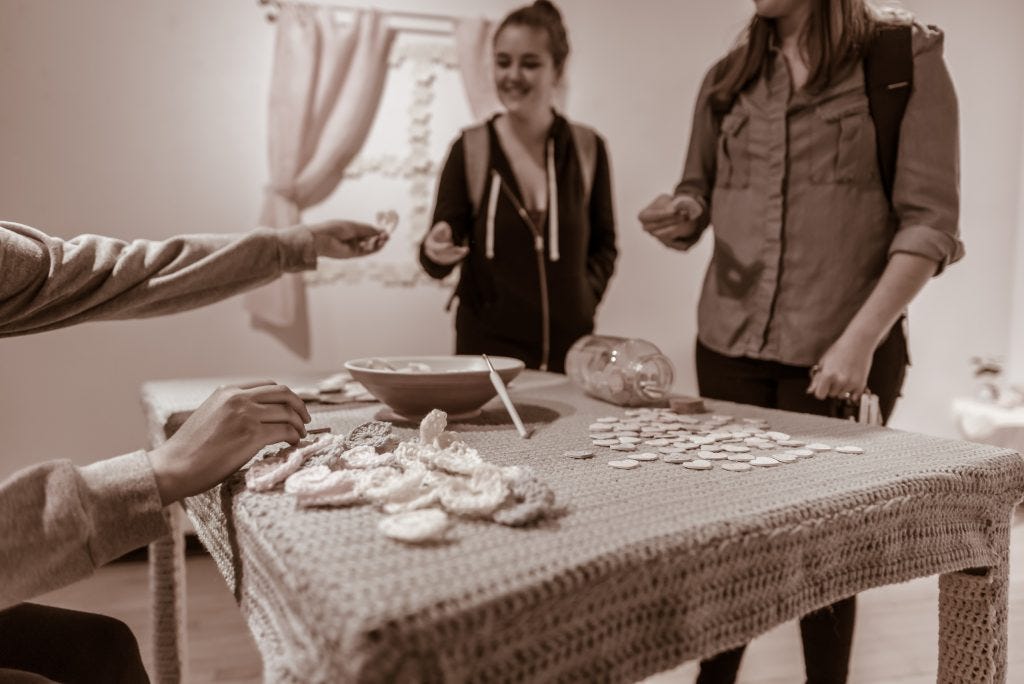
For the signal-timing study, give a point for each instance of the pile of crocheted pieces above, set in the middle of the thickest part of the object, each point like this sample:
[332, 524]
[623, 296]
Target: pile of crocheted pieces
[419, 483]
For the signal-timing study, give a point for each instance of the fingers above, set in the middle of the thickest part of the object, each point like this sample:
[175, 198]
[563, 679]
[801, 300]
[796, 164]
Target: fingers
[441, 234]
[279, 413]
[279, 394]
[250, 384]
[346, 231]
[825, 384]
[687, 206]
[272, 433]
[671, 221]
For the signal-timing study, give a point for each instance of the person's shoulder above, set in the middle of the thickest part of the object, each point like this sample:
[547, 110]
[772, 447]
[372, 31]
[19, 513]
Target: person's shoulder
[924, 37]
[577, 129]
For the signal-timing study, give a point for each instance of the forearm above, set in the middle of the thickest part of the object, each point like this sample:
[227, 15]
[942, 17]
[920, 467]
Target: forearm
[903, 278]
[50, 283]
[58, 522]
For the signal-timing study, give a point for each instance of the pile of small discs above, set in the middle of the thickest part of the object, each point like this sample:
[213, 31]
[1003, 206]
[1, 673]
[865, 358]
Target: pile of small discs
[697, 441]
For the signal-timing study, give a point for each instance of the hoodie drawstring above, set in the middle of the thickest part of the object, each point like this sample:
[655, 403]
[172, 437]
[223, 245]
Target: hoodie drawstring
[552, 204]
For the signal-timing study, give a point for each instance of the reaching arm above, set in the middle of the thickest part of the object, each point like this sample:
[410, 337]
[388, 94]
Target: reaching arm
[50, 283]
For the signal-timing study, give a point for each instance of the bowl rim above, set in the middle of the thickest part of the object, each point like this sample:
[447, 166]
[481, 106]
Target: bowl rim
[501, 364]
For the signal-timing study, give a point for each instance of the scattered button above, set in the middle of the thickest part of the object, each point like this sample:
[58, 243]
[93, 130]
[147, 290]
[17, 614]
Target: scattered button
[742, 458]
[764, 461]
[849, 449]
[735, 467]
[579, 453]
[625, 464]
[698, 464]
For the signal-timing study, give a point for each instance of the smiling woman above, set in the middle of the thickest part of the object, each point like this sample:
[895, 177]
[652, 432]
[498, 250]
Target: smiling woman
[524, 204]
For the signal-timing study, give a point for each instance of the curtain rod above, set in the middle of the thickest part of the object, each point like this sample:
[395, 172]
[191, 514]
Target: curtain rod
[401, 16]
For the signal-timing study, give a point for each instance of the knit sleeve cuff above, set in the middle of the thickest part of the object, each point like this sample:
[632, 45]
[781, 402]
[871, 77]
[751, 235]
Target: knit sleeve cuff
[925, 241]
[297, 250]
[122, 502]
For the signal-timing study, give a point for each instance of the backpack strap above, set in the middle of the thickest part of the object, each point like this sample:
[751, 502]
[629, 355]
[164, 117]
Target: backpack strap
[889, 80]
[585, 141]
[476, 152]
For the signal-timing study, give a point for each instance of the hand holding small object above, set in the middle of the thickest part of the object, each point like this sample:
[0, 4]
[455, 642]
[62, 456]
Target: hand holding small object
[346, 239]
[223, 434]
[671, 220]
[440, 246]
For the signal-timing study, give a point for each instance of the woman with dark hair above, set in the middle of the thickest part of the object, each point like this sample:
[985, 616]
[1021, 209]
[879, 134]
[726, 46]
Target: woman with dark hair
[524, 204]
[833, 200]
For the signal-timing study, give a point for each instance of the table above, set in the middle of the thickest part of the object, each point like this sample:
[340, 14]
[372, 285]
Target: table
[641, 571]
[988, 422]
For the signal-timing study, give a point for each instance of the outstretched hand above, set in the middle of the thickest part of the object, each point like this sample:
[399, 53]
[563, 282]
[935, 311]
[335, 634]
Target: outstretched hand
[672, 220]
[227, 430]
[346, 239]
[440, 246]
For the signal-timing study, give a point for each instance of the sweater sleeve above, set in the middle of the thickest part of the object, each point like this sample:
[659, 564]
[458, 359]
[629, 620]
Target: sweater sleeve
[601, 252]
[51, 283]
[452, 206]
[58, 523]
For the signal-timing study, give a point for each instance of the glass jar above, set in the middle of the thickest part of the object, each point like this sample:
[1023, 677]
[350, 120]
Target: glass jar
[620, 370]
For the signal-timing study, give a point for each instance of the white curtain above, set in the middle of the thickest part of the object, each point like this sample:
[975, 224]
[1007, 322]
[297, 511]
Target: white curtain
[325, 89]
[473, 51]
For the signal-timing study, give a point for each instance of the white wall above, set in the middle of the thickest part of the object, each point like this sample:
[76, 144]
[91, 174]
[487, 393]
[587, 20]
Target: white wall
[148, 119]
[1015, 358]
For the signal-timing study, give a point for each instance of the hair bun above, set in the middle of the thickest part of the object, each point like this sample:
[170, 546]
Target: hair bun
[549, 8]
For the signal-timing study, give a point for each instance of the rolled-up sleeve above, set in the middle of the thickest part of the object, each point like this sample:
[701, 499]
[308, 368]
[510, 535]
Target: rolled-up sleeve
[926, 191]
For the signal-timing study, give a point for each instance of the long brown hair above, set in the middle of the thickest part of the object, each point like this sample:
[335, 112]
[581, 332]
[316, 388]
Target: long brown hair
[835, 35]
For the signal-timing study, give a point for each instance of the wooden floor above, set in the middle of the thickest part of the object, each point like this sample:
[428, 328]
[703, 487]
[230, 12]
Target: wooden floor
[896, 639]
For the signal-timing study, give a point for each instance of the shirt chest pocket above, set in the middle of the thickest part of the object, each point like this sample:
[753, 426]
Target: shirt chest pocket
[733, 160]
[843, 145]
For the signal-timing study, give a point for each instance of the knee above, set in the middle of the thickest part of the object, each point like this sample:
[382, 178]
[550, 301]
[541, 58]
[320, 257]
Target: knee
[116, 650]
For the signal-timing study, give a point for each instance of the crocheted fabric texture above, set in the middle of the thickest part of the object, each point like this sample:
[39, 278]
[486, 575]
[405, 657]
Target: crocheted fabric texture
[643, 568]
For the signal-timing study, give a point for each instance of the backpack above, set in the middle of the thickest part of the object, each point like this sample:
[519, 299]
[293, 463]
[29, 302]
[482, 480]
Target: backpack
[888, 81]
[476, 149]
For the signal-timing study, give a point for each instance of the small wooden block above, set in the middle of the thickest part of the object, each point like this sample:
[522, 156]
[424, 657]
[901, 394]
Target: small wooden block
[686, 405]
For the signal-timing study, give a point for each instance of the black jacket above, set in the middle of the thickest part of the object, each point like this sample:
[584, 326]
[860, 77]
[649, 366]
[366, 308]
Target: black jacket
[499, 299]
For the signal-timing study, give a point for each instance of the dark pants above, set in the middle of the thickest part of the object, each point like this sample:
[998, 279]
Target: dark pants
[827, 634]
[66, 646]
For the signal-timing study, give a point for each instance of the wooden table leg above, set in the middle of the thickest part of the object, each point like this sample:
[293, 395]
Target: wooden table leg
[167, 586]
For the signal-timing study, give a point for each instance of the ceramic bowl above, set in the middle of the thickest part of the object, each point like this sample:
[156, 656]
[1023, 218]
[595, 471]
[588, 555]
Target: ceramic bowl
[412, 386]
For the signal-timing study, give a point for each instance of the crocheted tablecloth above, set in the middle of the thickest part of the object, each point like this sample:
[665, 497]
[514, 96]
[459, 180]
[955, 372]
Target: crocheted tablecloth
[641, 570]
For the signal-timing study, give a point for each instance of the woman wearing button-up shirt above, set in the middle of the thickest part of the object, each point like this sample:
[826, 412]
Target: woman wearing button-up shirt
[813, 266]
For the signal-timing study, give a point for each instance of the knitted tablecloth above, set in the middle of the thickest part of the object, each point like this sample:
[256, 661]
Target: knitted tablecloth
[641, 570]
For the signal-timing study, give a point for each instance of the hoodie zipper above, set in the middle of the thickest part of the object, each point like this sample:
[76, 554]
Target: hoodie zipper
[542, 273]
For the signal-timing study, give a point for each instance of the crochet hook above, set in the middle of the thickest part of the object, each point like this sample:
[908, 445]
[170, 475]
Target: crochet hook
[499, 385]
